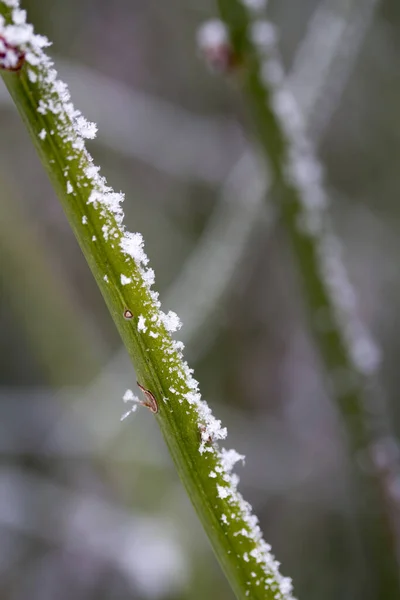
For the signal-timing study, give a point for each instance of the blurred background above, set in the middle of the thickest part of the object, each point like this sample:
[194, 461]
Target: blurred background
[91, 507]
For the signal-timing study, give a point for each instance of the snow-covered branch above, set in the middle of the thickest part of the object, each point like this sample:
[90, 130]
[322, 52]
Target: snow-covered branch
[120, 266]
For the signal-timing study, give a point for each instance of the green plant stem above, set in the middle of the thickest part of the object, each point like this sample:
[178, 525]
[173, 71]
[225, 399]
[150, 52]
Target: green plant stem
[118, 263]
[344, 348]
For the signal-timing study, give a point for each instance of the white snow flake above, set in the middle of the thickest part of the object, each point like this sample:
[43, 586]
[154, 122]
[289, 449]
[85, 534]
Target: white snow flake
[125, 280]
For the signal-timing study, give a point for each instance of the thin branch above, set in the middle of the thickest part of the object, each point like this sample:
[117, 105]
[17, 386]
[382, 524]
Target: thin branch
[327, 56]
[349, 355]
[119, 265]
[219, 251]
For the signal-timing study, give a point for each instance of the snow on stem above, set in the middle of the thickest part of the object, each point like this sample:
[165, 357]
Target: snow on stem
[345, 347]
[120, 266]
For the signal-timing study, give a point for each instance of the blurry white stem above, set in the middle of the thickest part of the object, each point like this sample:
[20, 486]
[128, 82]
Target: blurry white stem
[326, 58]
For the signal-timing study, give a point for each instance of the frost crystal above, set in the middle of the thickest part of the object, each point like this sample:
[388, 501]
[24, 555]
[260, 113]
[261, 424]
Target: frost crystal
[230, 458]
[223, 492]
[132, 245]
[142, 324]
[148, 277]
[171, 321]
[212, 34]
[86, 128]
[125, 280]
[129, 396]
[129, 412]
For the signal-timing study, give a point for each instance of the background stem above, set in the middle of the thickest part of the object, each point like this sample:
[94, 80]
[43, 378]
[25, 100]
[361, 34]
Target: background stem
[345, 349]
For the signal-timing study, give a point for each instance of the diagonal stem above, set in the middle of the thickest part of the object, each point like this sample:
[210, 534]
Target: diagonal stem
[348, 354]
[119, 264]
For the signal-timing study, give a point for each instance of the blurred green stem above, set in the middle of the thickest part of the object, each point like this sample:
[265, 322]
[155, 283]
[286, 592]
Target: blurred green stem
[343, 345]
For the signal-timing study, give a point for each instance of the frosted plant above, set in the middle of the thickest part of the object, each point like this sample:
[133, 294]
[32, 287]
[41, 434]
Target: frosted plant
[120, 266]
[242, 199]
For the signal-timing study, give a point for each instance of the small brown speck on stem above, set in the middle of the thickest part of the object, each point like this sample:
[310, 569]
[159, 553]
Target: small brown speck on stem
[128, 314]
[150, 402]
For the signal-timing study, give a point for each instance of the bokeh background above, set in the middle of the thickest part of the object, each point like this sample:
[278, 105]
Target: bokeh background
[91, 507]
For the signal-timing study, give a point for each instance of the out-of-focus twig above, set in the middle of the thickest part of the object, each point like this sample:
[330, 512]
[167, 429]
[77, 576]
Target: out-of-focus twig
[205, 277]
[326, 58]
[346, 350]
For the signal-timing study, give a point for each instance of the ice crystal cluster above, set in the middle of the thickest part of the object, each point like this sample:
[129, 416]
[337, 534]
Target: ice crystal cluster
[83, 180]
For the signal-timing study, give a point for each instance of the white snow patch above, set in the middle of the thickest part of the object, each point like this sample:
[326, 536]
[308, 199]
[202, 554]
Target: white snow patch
[86, 129]
[171, 321]
[132, 245]
[212, 34]
[142, 324]
[229, 458]
[129, 396]
[125, 280]
[149, 277]
[129, 412]
[223, 491]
